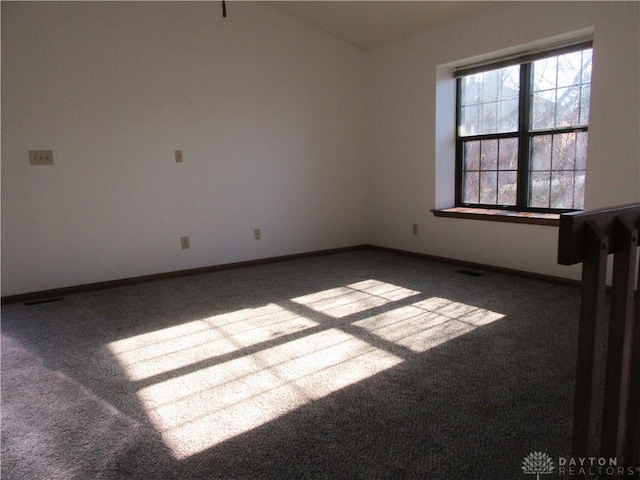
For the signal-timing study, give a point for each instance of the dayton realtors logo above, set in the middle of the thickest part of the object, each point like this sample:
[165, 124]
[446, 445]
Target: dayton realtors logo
[539, 463]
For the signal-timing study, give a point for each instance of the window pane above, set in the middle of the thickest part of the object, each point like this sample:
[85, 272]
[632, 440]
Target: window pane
[562, 190]
[539, 189]
[543, 109]
[586, 66]
[490, 85]
[508, 115]
[489, 156]
[471, 89]
[564, 151]
[544, 74]
[541, 152]
[489, 102]
[560, 161]
[568, 107]
[561, 90]
[508, 154]
[490, 171]
[559, 102]
[570, 69]
[507, 188]
[472, 155]
[581, 150]
[578, 198]
[470, 120]
[471, 187]
[509, 81]
[488, 187]
[489, 117]
[585, 96]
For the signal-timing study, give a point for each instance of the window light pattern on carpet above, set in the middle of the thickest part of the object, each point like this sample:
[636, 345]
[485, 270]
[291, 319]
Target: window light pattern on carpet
[209, 380]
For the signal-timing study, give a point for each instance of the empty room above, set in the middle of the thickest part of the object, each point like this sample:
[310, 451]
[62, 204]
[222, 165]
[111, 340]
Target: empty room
[318, 239]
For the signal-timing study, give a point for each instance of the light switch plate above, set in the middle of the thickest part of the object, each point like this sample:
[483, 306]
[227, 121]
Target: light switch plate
[40, 157]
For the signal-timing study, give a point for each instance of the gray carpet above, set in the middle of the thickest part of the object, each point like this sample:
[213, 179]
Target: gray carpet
[360, 365]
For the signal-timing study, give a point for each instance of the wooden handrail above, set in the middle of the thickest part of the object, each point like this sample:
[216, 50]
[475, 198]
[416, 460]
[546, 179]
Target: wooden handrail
[606, 422]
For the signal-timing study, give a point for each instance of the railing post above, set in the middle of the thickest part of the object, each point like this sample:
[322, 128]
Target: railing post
[590, 336]
[620, 340]
[632, 443]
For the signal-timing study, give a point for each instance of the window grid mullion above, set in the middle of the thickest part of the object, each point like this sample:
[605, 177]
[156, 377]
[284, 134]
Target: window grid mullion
[523, 137]
[459, 145]
[497, 172]
[480, 173]
[551, 169]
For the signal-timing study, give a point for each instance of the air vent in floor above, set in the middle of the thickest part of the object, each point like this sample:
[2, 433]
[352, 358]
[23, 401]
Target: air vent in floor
[471, 273]
[44, 300]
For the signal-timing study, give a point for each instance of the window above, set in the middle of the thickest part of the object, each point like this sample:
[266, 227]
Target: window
[521, 138]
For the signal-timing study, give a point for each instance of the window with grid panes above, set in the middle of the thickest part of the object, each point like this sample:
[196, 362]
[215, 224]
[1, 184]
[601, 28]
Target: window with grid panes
[522, 132]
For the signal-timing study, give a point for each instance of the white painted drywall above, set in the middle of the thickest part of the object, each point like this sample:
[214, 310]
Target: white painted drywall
[283, 128]
[269, 114]
[410, 105]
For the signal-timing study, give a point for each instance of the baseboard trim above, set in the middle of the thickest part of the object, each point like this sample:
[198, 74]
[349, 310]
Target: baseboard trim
[481, 266]
[43, 295]
[91, 287]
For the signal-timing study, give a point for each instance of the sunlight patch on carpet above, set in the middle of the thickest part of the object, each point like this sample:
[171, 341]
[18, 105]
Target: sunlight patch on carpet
[201, 409]
[429, 323]
[207, 381]
[354, 298]
[165, 350]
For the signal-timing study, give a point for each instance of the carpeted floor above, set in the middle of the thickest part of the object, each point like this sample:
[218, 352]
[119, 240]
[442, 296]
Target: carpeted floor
[360, 365]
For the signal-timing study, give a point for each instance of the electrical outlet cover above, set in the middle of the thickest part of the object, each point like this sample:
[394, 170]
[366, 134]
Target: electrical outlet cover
[40, 157]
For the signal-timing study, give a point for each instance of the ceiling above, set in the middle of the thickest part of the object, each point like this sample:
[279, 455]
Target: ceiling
[369, 24]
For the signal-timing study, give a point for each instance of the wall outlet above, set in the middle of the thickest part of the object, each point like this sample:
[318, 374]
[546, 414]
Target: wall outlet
[414, 229]
[184, 241]
[179, 158]
[257, 234]
[40, 157]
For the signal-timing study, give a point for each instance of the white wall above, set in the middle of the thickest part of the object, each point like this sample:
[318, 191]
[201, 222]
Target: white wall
[269, 114]
[411, 131]
[283, 128]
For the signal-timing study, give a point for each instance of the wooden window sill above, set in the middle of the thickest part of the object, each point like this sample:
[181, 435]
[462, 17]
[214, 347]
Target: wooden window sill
[531, 218]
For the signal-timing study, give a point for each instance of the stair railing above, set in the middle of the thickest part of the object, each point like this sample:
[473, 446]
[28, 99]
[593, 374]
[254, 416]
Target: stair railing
[606, 421]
